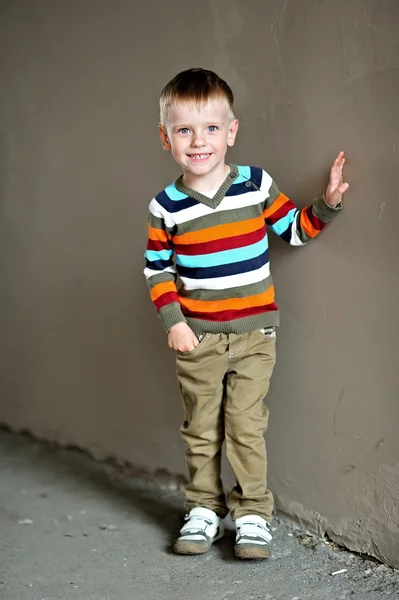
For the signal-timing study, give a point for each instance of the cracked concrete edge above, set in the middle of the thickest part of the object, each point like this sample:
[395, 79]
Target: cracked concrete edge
[370, 542]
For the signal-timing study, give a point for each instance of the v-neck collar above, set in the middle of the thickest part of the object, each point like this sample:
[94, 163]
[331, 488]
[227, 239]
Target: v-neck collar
[220, 194]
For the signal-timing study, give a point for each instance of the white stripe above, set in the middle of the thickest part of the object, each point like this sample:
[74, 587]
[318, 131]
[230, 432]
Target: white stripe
[265, 184]
[151, 273]
[230, 281]
[158, 211]
[295, 239]
[228, 203]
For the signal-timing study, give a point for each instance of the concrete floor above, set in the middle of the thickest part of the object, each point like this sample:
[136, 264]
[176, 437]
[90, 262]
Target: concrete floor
[71, 528]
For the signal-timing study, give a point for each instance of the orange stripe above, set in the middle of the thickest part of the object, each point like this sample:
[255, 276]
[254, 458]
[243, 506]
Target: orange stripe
[278, 203]
[157, 234]
[220, 231]
[162, 288]
[307, 226]
[230, 303]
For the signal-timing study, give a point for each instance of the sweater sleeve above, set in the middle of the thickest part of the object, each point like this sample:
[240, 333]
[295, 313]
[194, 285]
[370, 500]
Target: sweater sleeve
[160, 270]
[296, 226]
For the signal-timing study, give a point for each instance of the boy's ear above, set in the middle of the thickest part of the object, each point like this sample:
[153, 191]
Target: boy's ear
[164, 137]
[231, 138]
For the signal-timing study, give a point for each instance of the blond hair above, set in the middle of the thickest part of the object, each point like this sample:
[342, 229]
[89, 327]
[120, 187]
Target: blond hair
[197, 86]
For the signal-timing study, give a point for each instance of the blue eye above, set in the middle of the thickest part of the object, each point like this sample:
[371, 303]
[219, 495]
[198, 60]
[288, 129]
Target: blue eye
[212, 128]
[184, 130]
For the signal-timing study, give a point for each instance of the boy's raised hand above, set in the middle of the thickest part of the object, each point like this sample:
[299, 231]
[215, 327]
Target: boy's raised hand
[182, 338]
[336, 187]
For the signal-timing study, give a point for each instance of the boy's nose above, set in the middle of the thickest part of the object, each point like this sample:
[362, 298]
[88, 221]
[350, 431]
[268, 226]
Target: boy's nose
[198, 141]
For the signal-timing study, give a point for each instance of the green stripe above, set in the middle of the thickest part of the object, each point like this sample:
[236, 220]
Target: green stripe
[160, 278]
[225, 217]
[156, 222]
[323, 211]
[274, 192]
[244, 325]
[159, 223]
[170, 315]
[236, 292]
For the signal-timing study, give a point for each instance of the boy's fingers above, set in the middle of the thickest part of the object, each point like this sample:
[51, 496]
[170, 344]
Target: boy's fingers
[339, 160]
[336, 168]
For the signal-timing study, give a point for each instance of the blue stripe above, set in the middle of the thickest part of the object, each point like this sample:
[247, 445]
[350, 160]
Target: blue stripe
[253, 174]
[225, 270]
[172, 206]
[239, 188]
[286, 236]
[241, 185]
[283, 224]
[244, 173]
[256, 176]
[158, 265]
[174, 193]
[153, 255]
[224, 257]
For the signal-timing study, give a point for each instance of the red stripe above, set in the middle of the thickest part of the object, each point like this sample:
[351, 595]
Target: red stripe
[281, 212]
[157, 245]
[231, 315]
[166, 299]
[316, 222]
[237, 241]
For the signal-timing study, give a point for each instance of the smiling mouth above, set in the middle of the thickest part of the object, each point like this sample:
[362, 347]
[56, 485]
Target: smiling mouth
[199, 156]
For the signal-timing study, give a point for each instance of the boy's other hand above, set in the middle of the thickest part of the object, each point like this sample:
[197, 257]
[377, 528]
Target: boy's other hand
[336, 187]
[182, 338]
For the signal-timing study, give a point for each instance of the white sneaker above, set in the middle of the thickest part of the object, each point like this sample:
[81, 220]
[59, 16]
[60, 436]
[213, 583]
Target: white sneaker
[253, 537]
[202, 528]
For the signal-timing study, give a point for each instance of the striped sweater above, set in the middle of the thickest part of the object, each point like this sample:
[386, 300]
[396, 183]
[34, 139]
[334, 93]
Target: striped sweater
[219, 249]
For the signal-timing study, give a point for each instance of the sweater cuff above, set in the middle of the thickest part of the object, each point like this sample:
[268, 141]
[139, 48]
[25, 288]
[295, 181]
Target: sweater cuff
[171, 315]
[324, 211]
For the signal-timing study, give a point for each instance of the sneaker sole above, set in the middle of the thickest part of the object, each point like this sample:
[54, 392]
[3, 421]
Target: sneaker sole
[249, 552]
[191, 548]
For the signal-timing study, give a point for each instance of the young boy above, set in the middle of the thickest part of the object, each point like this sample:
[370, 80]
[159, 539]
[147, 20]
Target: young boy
[210, 228]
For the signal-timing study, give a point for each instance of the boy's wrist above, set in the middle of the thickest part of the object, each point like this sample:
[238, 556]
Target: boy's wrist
[331, 204]
[337, 206]
[177, 326]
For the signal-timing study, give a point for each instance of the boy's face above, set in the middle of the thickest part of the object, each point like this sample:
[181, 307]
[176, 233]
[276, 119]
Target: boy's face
[198, 135]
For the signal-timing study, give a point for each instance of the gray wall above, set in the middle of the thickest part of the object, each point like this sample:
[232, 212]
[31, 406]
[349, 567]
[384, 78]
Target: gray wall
[83, 358]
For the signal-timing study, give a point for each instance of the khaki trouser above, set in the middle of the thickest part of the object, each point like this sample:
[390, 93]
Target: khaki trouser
[223, 382]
